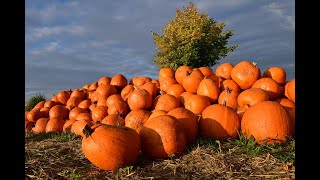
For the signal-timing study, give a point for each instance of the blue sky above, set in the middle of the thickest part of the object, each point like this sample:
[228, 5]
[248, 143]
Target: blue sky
[72, 43]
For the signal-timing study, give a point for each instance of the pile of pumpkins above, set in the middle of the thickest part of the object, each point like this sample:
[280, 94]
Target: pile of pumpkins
[119, 119]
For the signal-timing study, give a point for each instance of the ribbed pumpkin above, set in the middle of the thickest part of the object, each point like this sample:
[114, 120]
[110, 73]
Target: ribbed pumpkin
[102, 101]
[136, 119]
[197, 103]
[119, 107]
[111, 147]
[176, 90]
[224, 70]
[233, 86]
[34, 115]
[59, 111]
[63, 96]
[181, 73]
[206, 71]
[139, 81]
[139, 99]
[68, 124]
[78, 93]
[166, 72]
[230, 97]
[50, 104]
[113, 119]
[267, 122]
[162, 137]
[289, 106]
[119, 81]
[126, 91]
[184, 96]
[277, 73]
[290, 90]
[99, 112]
[104, 80]
[93, 86]
[245, 74]
[188, 121]
[192, 80]
[273, 88]
[151, 88]
[84, 117]
[45, 112]
[219, 122]
[252, 96]
[209, 88]
[105, 90]
[39, 105]
[75, 111]
[156, 113]
[77, 127]
[112, 99]
[167, 102]
[166, 82]
[73, 102]
[55, 124]
[40, 126]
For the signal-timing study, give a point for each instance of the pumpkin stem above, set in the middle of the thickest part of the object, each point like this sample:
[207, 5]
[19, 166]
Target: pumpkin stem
[162, 92]
[254, 63]
[136, 87]
[87, 131]
[228, 90]
[224, 102]
[188, 73]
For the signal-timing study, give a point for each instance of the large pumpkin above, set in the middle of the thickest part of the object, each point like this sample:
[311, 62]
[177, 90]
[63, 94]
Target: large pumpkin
[220, 122]
[111, 147]
[266, 121]
[162, 137]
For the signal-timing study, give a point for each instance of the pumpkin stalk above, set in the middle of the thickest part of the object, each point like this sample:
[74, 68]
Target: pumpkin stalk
[87, 131]
[224, 103]
[228, 90]
[254, 63]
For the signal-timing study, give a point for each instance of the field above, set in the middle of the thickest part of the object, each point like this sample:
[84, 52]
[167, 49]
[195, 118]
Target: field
[59, 156]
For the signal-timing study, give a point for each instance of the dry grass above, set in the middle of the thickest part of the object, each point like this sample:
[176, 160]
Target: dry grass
[59, 156]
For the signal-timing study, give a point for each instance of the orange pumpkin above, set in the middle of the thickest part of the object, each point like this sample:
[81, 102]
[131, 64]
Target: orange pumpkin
[104, 80]
[156, 113]
[167, 102]
[59, 111]
[229, 97]
[245, 74]
[99, 112]
[273, 88]
[224, 70]
[197, 103]
[162, 137]
[105, 90]
[68, 124]
[119, 81]
[206, 71]
[276, 73]
[55, 124]
[181, 73]
[290, 90]
[40, 126]
[252, 96]
[126, 91]
[166, 72]
[75, 111]
[188, 121]
[176, 90]
[209, 88]
[233, 86]
[139, 99]
[192, 80]
[267, 122]
[113, 119]
[135, 119]
[111, 147]
[219, 122]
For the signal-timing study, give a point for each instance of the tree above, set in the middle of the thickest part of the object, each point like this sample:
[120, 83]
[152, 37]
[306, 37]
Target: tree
[193, 39]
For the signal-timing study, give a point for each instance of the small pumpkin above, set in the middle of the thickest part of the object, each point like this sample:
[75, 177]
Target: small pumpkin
[126, 91]
[192, 80]
[229, 97]
[224, 70]
[99, 112]
[113, 119]
[245, 74]
[181, 73]
[274, 89]
[290, 90]
[135, 119]
[167, 102]
[176, 90]
[206, 71]
[277, 73]
[104, 80]
[209, 88]
[252, 96]
[119, 81]
[197, 103]
[55, 124]
[139, 99]
[40, 125]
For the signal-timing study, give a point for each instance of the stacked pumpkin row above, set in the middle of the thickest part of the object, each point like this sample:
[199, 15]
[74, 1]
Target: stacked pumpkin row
[159, 117]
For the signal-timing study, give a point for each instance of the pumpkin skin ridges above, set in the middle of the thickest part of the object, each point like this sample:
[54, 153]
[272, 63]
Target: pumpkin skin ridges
[269, 85]
[209, 88]
[245, 74]
[135, 119]
[224, 70]
[267, 122]
[161, 137]
[111, 147]
[188, 121]
[220, 122]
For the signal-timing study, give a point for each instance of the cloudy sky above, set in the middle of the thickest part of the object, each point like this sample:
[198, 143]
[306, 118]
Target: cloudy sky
[72, 43]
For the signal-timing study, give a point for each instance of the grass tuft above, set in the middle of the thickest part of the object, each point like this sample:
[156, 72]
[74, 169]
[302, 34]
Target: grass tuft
[34, 100]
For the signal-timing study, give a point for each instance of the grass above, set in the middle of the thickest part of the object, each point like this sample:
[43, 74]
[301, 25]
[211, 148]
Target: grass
[34, 100]
[59, 156]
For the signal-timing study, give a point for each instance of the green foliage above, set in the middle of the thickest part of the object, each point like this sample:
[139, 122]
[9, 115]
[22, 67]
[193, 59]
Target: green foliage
[34, 100]
[193, 39]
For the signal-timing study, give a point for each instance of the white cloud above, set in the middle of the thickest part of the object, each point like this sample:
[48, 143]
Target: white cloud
[288, 21]
[42, 32]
